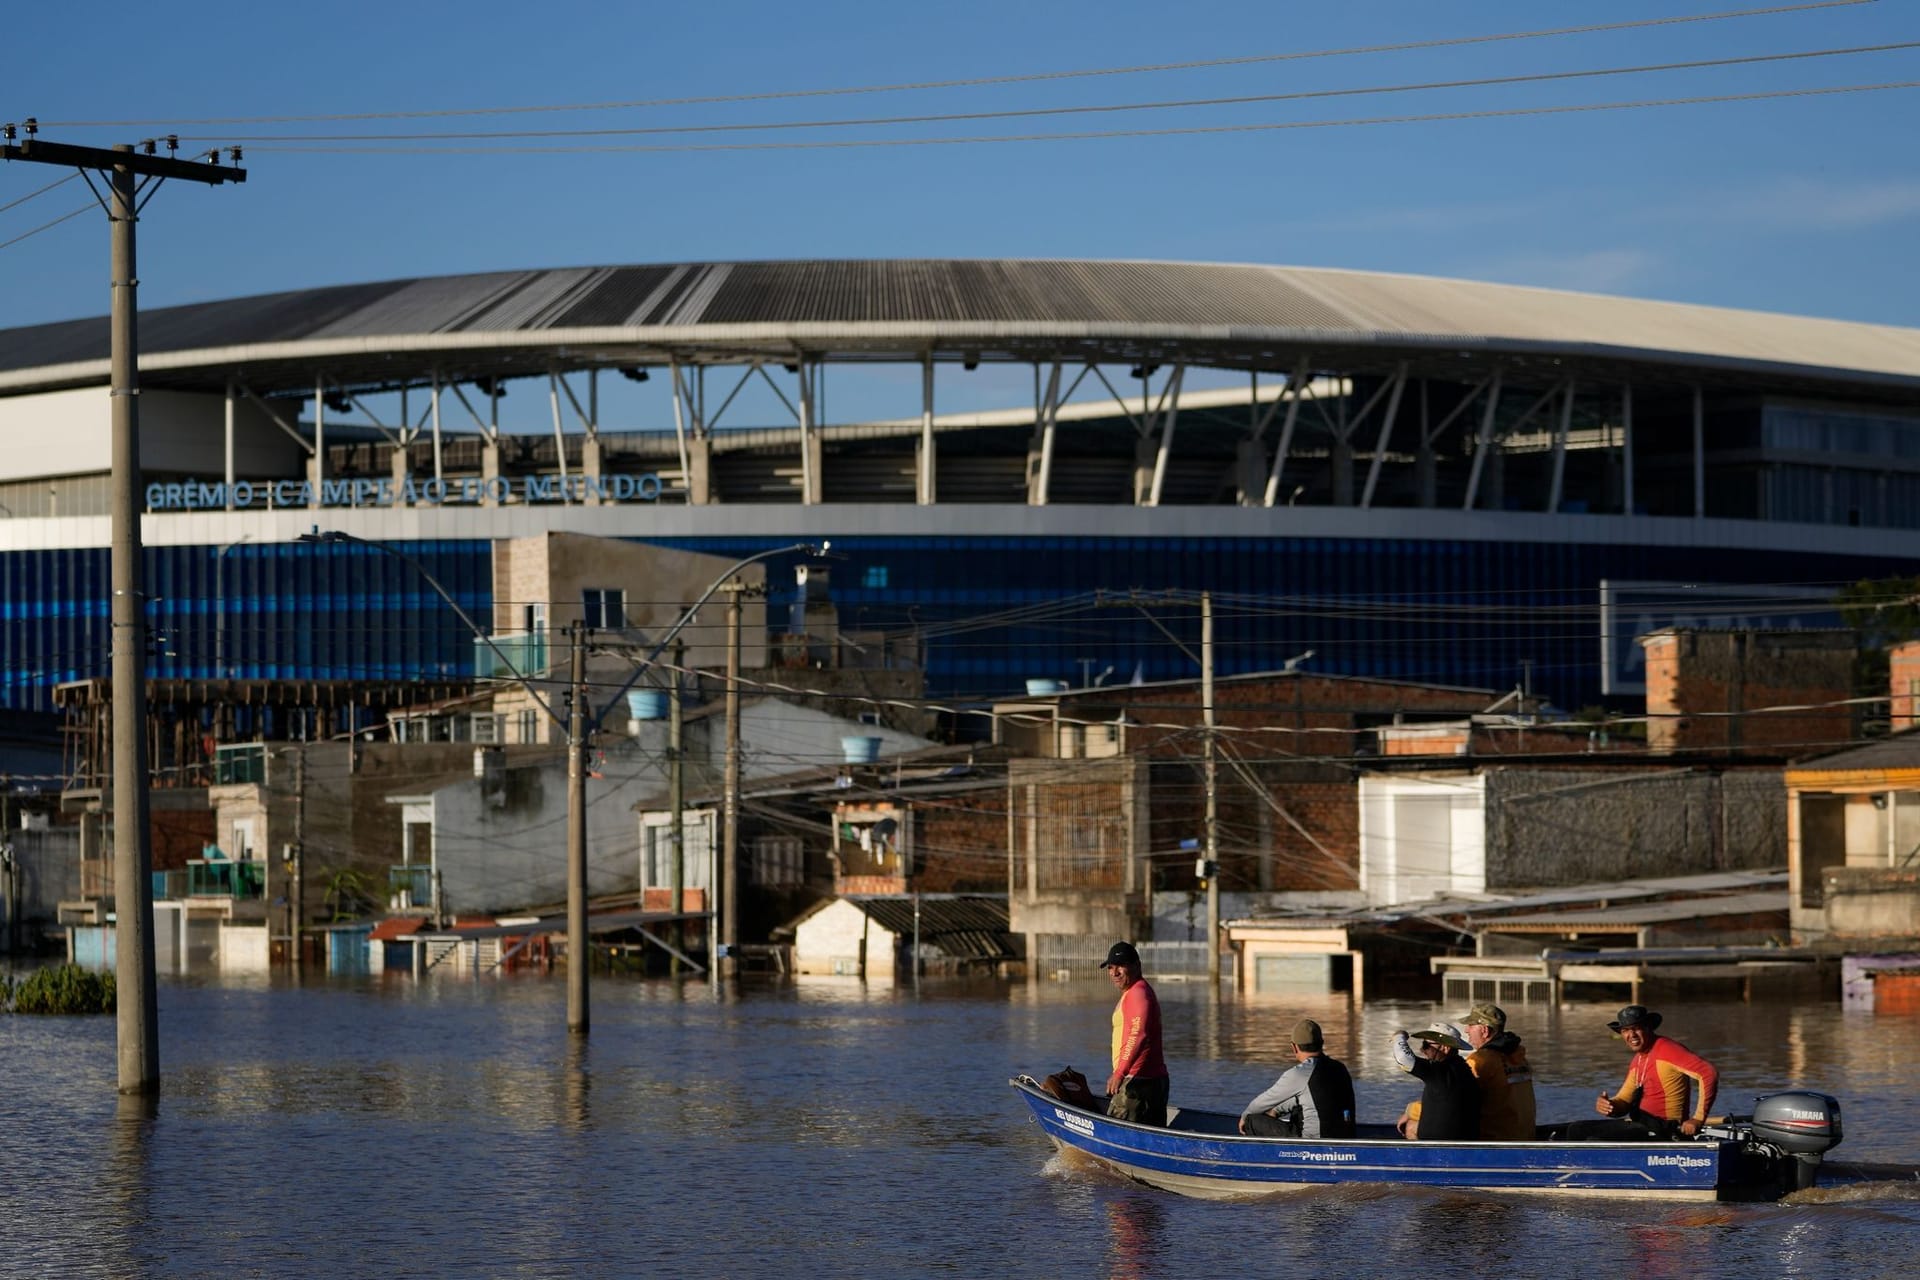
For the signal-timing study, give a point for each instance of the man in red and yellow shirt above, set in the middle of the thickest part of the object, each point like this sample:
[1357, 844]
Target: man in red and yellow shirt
[1137, 1089]
[1659, 1078]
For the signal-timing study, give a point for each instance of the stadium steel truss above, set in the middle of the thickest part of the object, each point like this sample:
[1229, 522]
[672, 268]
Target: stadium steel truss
[1419, 478]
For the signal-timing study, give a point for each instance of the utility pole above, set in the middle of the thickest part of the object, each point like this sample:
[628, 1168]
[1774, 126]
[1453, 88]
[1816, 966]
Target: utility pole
[577, 944]
[12, 936]
[677, 801]
[137, 1019]
[1213, 797]
[296, 890]
[724, 963]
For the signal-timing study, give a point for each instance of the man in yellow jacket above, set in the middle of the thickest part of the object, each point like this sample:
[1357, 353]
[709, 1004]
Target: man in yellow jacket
[1499, 1063]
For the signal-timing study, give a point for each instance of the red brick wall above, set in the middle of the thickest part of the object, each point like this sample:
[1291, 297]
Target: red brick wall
[961, 843]
[1707, 691]
[1903, 670]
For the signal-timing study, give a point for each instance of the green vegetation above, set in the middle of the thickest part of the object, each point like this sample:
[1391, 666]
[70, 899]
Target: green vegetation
[1886, 612]
[65, 989]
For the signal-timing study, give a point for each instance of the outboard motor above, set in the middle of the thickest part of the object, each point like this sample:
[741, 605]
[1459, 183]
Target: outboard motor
[1803, 1125]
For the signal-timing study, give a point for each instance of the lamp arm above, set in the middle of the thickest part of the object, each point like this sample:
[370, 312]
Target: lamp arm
[686, 616]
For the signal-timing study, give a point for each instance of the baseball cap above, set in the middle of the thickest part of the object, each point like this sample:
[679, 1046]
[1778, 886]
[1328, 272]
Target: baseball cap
[1486, 1015]
[1121, 953]
[1306, 1033]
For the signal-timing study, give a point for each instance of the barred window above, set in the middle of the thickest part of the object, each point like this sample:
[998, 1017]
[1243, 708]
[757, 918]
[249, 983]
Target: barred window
[779, 862]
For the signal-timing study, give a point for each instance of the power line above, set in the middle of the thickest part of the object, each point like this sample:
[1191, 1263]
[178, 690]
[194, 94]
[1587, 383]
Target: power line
[1030, 112]
[1091, 135]
[976, 81]
[46, 226]
[57, 182]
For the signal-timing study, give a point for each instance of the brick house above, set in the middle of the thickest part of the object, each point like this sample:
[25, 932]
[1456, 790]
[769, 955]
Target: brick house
[1717, 690]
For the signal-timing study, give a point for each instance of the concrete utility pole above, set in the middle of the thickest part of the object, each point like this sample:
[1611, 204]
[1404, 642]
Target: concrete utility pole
[138, 1015]
[577, 944]
[1213, 795]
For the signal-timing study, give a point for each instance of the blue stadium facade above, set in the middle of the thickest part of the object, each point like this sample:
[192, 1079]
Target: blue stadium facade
[1430, 480]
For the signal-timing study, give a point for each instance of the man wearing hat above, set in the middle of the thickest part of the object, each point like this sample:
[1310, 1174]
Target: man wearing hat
[1499, 1063]
[1311, 1099]
[1654, 1095]
[1449, 1099]
[1137, 1089]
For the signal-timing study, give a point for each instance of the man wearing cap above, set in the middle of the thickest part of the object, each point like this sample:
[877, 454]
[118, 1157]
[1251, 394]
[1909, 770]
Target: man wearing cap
[1654, 1095]
[1311, 1099]
[1449, 1099]
[1499, 1063]
[1137, 1089]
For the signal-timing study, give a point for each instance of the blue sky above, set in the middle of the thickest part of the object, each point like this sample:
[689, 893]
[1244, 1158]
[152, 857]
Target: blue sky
[1802, 204]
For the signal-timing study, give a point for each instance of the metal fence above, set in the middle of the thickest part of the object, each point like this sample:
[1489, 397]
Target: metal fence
[1159, 961]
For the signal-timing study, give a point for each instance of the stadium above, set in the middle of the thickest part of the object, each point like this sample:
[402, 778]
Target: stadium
[1412, 478]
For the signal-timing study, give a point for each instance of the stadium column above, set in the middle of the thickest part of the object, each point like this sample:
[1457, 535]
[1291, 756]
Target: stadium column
[317, 464]
[924, 468]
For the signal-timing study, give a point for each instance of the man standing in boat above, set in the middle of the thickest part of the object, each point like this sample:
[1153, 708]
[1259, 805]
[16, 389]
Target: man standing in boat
[1311, 1099]
[1499, 1063]
[1449, 1098]
[1660, 1076]
[1137, 1089]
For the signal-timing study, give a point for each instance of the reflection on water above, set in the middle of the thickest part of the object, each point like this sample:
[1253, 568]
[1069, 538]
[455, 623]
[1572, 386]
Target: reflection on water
[358, 1127]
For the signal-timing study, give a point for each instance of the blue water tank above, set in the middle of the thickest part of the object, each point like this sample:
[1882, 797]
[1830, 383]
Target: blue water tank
[1041, 688]
[647, 704]
[860, 750]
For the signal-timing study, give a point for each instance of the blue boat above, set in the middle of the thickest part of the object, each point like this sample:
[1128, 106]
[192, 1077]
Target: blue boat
[1201, 1153]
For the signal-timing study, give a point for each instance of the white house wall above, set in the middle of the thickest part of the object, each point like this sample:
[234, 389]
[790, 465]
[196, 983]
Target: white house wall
[507, 850]
[1421, 837]
[828, 941]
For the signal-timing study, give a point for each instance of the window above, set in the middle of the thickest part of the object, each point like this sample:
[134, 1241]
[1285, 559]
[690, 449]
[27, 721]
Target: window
[241, 848]
[529, 727]
[533, 619]
[489, 729]
[875, 576]
[604, 607]
[779, 862]
[869, 717]
[656, 849]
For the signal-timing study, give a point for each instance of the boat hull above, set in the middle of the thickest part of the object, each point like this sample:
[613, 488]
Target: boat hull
[1200, 1154]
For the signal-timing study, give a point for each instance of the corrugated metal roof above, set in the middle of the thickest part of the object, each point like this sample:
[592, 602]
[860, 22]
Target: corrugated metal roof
[972, 927]
[1738, 904]
[1901, 751]
[1233, 316]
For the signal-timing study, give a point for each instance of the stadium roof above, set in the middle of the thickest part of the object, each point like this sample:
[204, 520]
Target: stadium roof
[519, 323]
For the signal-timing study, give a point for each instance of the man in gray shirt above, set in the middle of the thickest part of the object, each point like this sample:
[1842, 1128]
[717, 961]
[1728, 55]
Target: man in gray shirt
[1312, 1099]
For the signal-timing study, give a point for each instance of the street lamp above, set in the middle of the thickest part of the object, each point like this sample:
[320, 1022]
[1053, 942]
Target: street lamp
[579, 731]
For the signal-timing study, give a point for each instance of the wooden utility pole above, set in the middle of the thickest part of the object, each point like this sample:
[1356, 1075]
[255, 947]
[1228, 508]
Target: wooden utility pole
[724, 963]
[296, 879]
[677, 801]
[137, 1017]
[1212, 788]
[577, 944]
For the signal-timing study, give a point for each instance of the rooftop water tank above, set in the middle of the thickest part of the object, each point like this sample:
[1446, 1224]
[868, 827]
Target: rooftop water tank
[860, 749]
[647, 704]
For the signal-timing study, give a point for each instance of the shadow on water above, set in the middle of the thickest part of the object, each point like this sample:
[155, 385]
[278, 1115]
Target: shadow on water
[127, 1186]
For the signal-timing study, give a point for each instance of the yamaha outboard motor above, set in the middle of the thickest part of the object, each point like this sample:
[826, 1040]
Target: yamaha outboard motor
[1803, 1125]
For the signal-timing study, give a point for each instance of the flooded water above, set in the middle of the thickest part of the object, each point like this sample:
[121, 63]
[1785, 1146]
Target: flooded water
[443, 1128]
